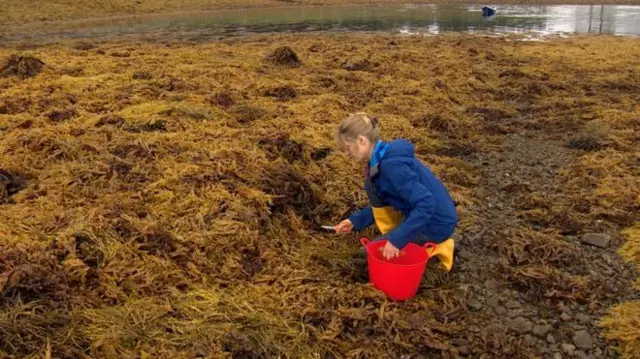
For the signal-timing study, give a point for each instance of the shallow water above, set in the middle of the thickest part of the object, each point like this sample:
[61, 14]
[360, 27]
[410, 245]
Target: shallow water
[427, 19]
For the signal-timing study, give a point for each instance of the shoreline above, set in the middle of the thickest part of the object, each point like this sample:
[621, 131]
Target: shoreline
[23, 18]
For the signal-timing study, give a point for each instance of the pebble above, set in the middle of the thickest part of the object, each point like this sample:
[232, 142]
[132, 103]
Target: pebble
[464, 254]
[521, 325]
[493, 302]
[463, 291]
[557, 356]
[566, 317]
[551, 339]
[583, 318]
[541, 330]
[514, 313]
[490, 284]
[475, 305]
[580, 354]
[500, 310]
[599, 240]
[529, 340]
[568, 348]
[597, 353]
[583, 340]
[513, 304]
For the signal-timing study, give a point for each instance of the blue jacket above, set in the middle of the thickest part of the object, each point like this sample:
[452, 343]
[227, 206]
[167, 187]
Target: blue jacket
[411, 188]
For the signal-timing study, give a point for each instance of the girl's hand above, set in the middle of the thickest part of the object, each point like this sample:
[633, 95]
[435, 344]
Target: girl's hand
[390, 251]
[344, 227]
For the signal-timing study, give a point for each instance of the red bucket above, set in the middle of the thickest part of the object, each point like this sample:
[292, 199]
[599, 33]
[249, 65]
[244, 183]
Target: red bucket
[400, 277]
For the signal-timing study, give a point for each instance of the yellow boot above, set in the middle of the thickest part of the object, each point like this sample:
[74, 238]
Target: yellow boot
[445, 253]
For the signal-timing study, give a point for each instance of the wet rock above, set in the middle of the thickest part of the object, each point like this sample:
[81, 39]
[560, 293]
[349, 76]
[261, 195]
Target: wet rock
[521, 325]
[475, 305]
[493, 302]
[583, 318]
[583, 340]
[599, 240]
[463, 291]
[566, 317]
[465, 254]
[551, 339]
[513, 304]
[568, 348]
[529, 340]
[541, 330]
[598, 353]
[500, 310]
[515, 313]
[491, 284]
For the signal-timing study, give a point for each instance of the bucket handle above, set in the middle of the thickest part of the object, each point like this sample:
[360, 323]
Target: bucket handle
[429, 245]
[365, 241]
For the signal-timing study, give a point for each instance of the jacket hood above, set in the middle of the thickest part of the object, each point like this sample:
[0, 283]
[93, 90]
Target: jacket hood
[400, 148]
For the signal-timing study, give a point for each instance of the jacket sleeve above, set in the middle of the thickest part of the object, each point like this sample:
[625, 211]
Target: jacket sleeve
[404, 184]
[362, 219]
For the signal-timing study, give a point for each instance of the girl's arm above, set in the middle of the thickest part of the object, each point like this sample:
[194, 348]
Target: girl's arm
[362, 219]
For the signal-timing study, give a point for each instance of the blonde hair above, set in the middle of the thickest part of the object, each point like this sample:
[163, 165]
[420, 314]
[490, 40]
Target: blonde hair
[356, 125]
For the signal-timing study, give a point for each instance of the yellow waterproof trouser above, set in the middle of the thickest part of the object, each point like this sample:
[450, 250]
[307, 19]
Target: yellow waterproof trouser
[387, 219]
[444, 251]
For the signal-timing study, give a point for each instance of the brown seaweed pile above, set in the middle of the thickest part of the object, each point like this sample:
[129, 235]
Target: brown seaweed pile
[171, 211]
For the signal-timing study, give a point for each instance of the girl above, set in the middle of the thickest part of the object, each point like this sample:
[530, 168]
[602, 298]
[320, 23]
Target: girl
[407, 202]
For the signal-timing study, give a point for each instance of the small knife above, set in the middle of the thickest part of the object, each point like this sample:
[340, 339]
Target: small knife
[328, 228]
